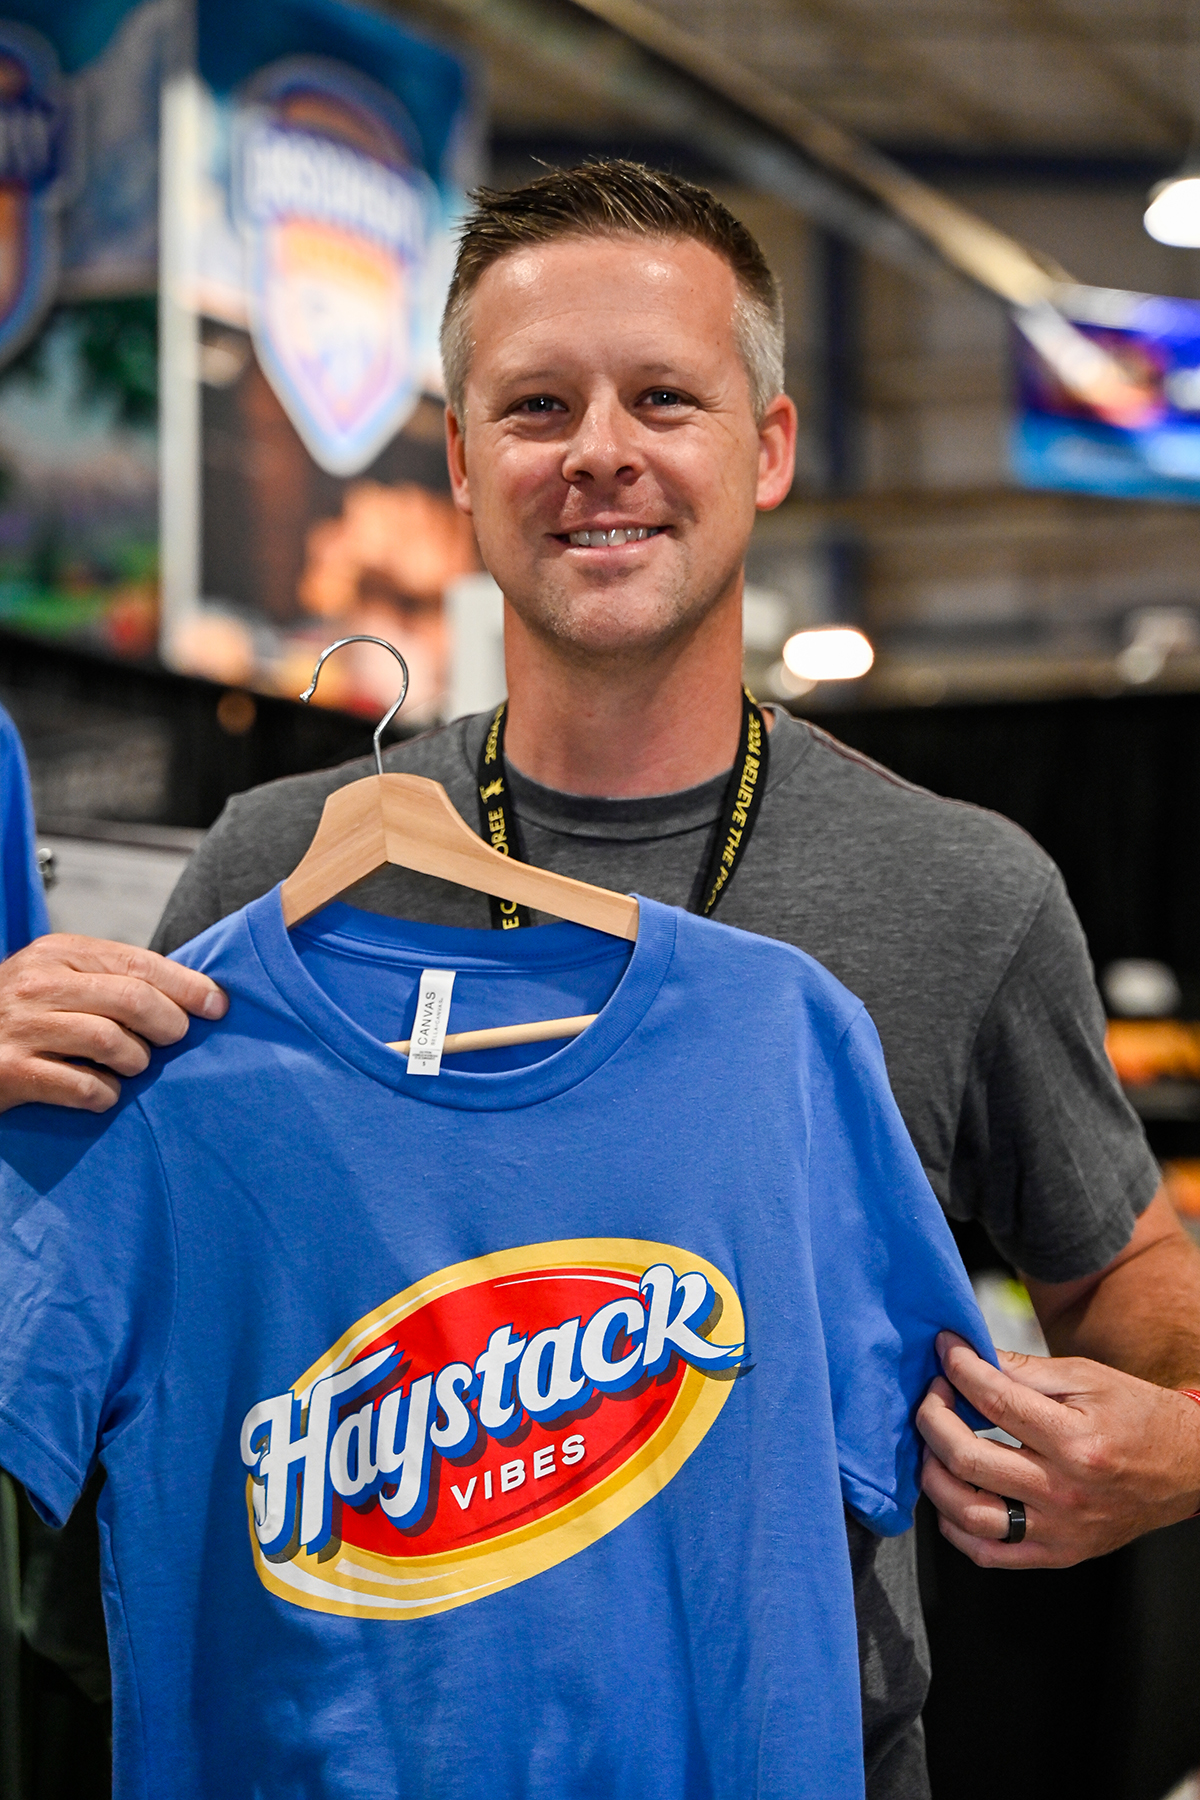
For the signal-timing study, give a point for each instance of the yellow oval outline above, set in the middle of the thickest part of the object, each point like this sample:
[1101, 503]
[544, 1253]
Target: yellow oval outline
[360, 1584]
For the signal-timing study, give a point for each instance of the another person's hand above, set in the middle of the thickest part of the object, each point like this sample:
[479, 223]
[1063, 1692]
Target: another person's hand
[66, 997]
[1104, 1457]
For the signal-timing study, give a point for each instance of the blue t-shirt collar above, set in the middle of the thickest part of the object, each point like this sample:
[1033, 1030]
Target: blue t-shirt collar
[409, 945]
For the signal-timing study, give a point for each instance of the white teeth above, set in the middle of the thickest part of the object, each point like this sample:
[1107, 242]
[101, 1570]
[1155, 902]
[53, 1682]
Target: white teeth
[592, 540]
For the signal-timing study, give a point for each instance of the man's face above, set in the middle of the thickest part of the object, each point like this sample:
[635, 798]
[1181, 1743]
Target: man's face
[606, 393]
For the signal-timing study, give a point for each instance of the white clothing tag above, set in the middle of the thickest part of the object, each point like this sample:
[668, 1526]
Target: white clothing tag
[429, 1026]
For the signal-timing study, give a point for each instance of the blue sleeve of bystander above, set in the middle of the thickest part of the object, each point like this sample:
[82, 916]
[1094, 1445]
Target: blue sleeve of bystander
[23, 914]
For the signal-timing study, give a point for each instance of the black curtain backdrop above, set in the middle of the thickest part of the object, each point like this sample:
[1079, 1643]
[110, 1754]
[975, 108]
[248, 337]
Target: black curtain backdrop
[1110, 788]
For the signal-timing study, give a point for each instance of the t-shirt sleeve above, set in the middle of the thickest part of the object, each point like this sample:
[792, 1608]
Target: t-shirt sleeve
[23, 913]
[1049, 1155]
[888, 1278]
[87, 1289]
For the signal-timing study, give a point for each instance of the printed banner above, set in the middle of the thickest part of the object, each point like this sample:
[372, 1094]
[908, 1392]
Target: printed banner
[321, 162]
[1059, 443]
[336, 217]
[80, 88]
[316, 155]
[79, 110]
[35, 147]
[329, 180]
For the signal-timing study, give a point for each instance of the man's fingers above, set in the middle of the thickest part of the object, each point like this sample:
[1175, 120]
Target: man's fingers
[986, 1553]
[65, 1000]
[90, 1036]
[186, 988]
[1058, 1377]
[125, 1000]
[1016, 1407]
[56, 1083]
[973, 1510]
[978, 1461]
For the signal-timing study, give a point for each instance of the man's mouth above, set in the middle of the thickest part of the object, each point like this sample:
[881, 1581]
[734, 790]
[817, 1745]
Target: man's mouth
[620, 534]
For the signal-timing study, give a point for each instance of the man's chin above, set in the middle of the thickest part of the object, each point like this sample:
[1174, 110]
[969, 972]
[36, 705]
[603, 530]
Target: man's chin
[618, 634]
[614, 620]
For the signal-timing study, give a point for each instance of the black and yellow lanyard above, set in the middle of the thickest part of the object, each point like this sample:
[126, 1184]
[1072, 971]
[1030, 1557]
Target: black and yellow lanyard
[743, 798]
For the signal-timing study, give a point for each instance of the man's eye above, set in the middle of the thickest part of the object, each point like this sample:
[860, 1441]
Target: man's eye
[540, 403]
[664, 397]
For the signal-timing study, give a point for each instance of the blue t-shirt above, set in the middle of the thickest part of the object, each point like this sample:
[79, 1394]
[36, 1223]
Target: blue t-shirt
[484, 1433]
[22, 899]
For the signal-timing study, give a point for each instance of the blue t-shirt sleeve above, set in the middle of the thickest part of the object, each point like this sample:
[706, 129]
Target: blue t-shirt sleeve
[889, 1278]
[24, 901]
[87, 1291]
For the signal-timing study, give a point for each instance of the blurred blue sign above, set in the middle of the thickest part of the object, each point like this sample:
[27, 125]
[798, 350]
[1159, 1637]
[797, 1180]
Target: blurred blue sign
[79, 99]
[336, 215]
[35, 132]
[1058, 441]
[332, 156]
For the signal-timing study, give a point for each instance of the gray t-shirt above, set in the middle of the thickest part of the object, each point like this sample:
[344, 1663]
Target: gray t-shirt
[947, 921]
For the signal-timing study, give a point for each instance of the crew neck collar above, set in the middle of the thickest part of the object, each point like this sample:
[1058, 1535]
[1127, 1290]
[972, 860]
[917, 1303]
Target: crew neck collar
[649, 816]
[403, 944]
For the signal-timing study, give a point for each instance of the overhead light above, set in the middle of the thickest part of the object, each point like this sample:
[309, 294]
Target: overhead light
[829, 653]
[1173, 215]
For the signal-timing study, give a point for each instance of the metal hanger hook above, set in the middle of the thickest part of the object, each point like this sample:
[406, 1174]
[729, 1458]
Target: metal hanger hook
[389, 715]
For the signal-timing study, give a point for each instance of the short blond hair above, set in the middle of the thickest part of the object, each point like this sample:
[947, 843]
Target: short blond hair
[615, 199]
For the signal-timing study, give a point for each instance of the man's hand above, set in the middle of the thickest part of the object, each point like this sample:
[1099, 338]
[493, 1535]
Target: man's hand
[1104, 1457]
[64, 997]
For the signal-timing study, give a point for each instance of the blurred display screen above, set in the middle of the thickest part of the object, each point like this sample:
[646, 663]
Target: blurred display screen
[1059, 442]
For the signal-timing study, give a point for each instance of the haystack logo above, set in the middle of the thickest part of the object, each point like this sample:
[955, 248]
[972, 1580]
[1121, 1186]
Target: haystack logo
[335, 216]
[486, 1424]
[34, 135]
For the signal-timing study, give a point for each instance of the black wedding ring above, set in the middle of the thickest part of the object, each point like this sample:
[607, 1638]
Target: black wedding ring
[1016, 1521]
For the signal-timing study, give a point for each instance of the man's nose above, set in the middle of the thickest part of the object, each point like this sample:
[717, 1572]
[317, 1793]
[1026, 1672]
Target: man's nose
[604, 447]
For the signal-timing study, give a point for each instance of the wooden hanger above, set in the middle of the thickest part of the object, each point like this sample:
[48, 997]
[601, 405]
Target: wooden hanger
[408, 821]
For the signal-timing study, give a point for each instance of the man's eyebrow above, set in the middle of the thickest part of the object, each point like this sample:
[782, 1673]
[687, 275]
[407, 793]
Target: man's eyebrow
[530, 374]
[643, 371]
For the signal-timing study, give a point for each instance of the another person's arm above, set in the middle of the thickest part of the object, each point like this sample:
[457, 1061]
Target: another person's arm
[68, 1002]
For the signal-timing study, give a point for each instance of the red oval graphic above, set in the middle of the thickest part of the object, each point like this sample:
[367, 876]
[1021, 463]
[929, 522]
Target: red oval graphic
[612, 1426]
[488, 1422]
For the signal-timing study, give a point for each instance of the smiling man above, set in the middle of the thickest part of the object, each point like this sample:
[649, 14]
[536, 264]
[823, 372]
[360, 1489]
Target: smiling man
[616, 419]
[613, 351]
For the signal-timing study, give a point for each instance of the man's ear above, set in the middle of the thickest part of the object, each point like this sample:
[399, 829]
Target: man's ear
[456, 462]
[776, 453]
